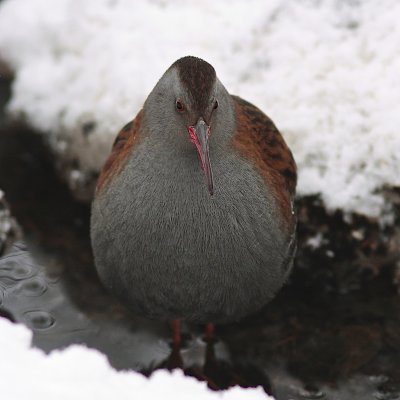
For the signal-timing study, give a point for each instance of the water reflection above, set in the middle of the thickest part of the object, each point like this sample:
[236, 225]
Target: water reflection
[38, 320]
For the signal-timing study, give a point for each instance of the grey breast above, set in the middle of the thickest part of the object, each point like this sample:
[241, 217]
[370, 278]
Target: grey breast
[170, 250]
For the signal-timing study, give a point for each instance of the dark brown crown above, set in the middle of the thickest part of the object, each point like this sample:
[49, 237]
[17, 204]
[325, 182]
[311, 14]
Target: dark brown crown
[198, 76]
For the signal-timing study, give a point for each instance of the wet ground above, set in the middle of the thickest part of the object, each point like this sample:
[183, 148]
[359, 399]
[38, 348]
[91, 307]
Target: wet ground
[332, 333]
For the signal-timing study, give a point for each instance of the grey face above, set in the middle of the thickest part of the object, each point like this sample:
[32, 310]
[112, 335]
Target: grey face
[184, 114]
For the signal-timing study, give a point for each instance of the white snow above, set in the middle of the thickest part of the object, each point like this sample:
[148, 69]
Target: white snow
[327, 72]
[81, 373]
[315, 242]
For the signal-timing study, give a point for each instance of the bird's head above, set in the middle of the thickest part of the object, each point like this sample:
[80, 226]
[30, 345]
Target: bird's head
[185, 105]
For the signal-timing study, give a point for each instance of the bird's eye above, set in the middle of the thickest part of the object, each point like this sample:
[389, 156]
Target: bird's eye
[179, 106]
[215, 105]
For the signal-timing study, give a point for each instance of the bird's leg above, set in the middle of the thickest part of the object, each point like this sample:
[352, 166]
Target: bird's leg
[175, 359]
[177, 333]
[210, 329]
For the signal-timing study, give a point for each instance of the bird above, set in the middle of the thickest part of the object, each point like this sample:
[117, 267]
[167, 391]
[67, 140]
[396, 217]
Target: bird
[193, 214]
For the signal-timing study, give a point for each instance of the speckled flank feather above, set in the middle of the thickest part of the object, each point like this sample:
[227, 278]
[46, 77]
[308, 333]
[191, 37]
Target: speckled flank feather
[126, 139]
[258, 139]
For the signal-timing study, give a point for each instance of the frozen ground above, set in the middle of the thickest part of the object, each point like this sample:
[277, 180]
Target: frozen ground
[327, 72]
[81, 373]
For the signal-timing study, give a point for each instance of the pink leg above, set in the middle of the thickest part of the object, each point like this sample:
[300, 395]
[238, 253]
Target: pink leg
[176, 332]
[210, 329]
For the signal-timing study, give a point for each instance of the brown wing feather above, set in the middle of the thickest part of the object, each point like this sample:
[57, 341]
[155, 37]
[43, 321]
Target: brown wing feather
[123, 144]
[258, 139]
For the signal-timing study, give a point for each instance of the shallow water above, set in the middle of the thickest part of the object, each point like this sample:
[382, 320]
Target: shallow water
[309, 343]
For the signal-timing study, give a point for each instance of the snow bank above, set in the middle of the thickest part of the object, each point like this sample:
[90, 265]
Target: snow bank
[327, 72]
[81, 373]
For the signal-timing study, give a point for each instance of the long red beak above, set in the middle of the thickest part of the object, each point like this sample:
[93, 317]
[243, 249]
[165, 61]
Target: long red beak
[199, 135]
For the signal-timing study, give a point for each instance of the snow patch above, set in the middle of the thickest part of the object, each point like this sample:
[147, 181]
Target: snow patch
[81, 373]
[327, 72]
